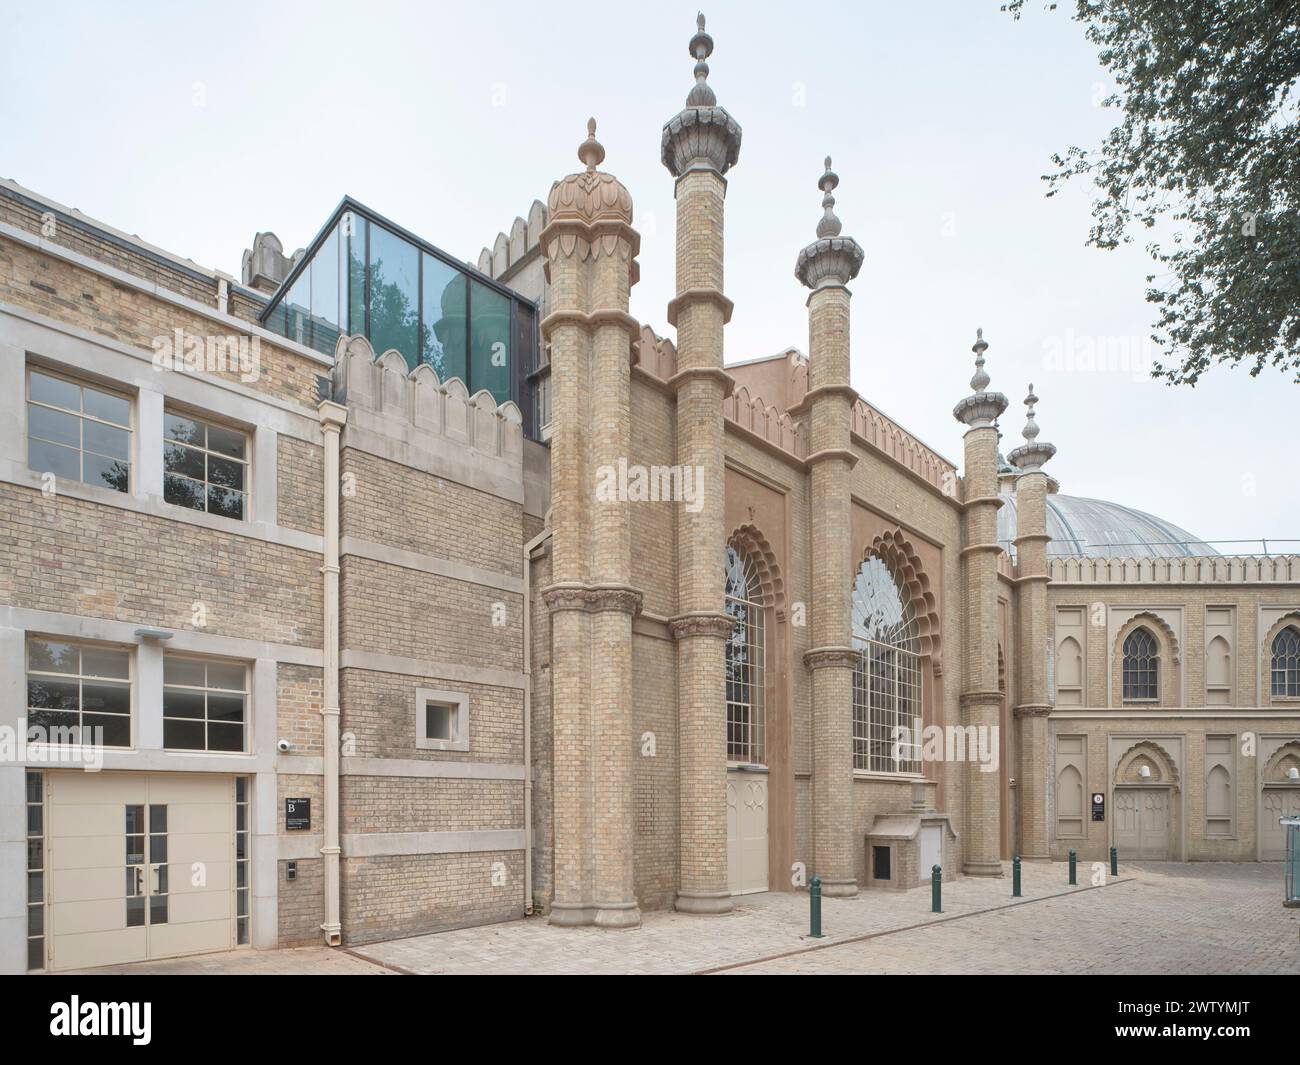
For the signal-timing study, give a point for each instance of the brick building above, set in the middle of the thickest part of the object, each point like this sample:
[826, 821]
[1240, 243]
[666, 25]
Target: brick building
[386, 594]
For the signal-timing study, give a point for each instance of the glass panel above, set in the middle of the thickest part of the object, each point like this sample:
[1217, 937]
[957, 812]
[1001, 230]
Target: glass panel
[108, 730]
[394, 294]
[105, 662]
[135, 912]
[183, 492]
[107, 440]
[225, 502]
[241, 789]
[182, 671]
[44, 693]
[437, 722]
[226, 675]
[243, 931]
[158, 909]
[53, 425]
[34, 820]
[35, 854]
[34, 787]
[356, 273]
[56, 391]
[241, 874]
[177, 458]
[106, 698]
[178, 703]
[226, 472]
[228, 708]
[443, 343]
[158, 823]
[241, 818]
[35, 920]
[50, 458]
[489, 347]
[48, 726]
[297, 307]
[225, 737]
[229, 442]
[134, 820]
[47, 656]
[35, 887]
[183, 735]
[107, 407]
[113, 473]
[184, 430]
[36, 954]
[325, 294]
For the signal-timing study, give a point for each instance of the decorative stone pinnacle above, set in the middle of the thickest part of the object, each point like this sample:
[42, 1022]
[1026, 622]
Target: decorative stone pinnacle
[701, 47]
[1030, 456]
[703, 135]
[981, 409]
[591, 152]
[831, 259]
[829, 226]
[980, 381]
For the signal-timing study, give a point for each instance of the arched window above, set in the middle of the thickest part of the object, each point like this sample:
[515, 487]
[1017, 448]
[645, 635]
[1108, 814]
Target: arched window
[887, 677]
[1141, 665]
[745, 650]
[1286, 663]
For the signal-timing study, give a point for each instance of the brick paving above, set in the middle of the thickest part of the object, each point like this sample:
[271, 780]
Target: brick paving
[1155, 918]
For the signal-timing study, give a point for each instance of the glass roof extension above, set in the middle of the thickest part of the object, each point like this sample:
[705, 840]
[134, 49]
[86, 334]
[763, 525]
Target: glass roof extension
[363, 274]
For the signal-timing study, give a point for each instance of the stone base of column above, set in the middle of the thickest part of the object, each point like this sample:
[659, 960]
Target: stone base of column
[571, 915]
[982, 869]
[704, 903]
[839, 889]
[618, 915]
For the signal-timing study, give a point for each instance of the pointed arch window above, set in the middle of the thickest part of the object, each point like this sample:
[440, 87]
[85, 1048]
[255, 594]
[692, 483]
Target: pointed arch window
[1286, 663]
[746, 674]
[887, 676]
[1141, 666]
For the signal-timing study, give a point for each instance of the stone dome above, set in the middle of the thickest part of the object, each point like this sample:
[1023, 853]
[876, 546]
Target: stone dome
[590, 195]
[1096, 528]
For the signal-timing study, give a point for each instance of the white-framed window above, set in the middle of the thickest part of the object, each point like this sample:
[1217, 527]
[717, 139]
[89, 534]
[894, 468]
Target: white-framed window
[243, 882]
[78, 693]
[1141, 670]
[1284, 664]
[441, 720]
[35, 870]
[78, 431]
[745, 661]
[205, 465]
[887, 677]
[205, 704]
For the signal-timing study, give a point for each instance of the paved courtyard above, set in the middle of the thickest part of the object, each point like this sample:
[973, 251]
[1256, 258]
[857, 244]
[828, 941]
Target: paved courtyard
[1154, 918]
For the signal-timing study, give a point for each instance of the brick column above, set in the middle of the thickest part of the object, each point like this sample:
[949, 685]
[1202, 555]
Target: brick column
[590, 250]
[1031, 569]
[981, 701]
[826, 266]
[699, 145]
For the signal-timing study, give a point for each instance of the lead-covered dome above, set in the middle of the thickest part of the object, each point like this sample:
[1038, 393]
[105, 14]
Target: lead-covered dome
[1096, 528]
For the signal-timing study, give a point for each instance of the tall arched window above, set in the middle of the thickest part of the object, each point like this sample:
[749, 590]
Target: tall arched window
[887, 677]
[1286, 663]
[1141, 665]
[745, 651]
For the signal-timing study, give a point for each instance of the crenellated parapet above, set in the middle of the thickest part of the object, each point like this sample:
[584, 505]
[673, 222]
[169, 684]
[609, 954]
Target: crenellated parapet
[762, 419]
[655, 355]
[521, 244]
[1216, 569]
[885, 435]
[413, 406]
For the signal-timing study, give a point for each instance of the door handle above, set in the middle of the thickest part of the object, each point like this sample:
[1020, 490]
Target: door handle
[139, 881]
[156, 886]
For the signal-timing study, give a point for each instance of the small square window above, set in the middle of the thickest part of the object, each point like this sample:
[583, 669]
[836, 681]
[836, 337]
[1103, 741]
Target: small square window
[441, 720]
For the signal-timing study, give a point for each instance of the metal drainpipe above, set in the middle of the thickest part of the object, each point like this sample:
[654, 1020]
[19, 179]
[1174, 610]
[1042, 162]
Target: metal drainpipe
[529, 548]
[332, 418]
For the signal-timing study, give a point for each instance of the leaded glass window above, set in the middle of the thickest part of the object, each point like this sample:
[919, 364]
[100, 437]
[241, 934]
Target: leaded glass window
[1141, 665]
[1286, 663]
[887, 677]
[745, 649]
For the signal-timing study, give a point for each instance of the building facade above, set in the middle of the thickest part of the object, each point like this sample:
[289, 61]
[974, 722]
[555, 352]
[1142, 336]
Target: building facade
[384, 594]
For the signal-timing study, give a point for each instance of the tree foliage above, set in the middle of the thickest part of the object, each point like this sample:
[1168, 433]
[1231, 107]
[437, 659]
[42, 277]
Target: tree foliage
[1209, 146]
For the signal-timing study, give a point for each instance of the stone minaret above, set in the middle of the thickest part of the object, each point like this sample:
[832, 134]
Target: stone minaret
[1031, 569]
[590, 249]
[981, 701]
[700, 144]
[827, 266]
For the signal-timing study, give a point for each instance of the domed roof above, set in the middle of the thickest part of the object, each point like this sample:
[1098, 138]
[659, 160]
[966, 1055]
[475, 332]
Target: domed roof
[590, 195]
[1095, 528]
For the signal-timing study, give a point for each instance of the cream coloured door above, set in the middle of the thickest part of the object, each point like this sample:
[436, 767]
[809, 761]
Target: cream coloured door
[746, 831]
[1276, 803]
[1142, 823]
[139, 867]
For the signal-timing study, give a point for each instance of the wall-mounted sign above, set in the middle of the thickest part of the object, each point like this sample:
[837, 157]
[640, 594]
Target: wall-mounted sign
[297, 814]
[1098, 806]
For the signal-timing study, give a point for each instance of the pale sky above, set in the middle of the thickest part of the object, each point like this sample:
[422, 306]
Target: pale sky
[196, 125]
